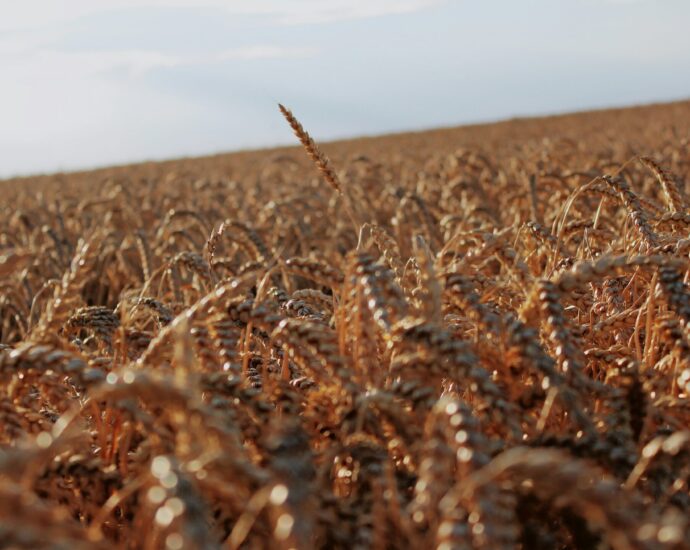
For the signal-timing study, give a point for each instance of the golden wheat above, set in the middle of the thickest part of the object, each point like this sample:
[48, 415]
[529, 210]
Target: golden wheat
[204, 354]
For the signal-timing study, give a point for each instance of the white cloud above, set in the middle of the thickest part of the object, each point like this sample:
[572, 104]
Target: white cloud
[25, 57]
[307, 12]
[47, 64]
[260, 52]
[28, 14]
[623, 2]
[30, 27]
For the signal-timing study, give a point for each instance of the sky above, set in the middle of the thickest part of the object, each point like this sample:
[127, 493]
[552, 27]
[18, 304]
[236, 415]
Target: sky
[86, 83]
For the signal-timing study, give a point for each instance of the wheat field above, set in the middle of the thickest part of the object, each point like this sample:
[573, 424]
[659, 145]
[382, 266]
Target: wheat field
[464, 338]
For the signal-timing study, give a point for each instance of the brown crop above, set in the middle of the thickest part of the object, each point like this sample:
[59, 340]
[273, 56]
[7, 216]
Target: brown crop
[463, 338]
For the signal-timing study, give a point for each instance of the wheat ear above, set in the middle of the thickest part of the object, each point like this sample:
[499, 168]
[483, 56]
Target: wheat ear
[322, 162]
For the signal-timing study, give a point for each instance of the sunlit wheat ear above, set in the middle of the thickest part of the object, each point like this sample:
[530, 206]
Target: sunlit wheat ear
[492, 507]
[676, 293]
[291, 462]
[98, 319]
[242, 234]
[672, 194]
[379, 291]
[429, 289]
[316, 298]
[632, 204]
[389, 250]
[315, 348]
[596, 497]
[144, 253]
[315, 270]
[675, 220]
[67, 295]
[320, 159]
[322, 162]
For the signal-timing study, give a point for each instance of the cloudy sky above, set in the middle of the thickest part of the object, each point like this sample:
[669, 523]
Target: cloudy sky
[86, 83]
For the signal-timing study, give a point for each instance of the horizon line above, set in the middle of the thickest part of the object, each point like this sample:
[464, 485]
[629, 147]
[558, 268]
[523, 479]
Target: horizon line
[85, 169]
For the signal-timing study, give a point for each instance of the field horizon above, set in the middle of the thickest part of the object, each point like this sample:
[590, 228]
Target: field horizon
[461, 131]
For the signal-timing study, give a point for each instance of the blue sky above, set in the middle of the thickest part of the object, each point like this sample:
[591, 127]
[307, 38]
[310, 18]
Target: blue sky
[88, 83]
